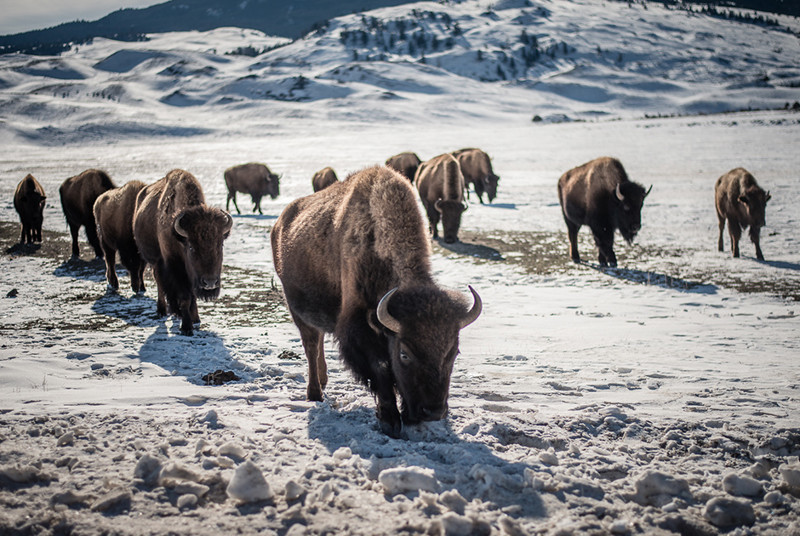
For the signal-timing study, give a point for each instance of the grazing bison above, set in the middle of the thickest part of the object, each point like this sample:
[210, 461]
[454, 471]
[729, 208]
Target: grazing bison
[354, 261]
[740, 200]
[78, 195]
[29, 200]
[599, 194]
[181, 237]
[254, 179]
[323, 178]
[113, 212]
[441, 188]
[405, 163]
[477, 169]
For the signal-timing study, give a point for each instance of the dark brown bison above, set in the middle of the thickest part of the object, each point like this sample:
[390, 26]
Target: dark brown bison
[323, 178]
[29, 200]
[181, 237]
[354, 261]
[742, 202]
[441, 188]
[599, 194]
[476, 167]
[404, 163]
[78, 195]
[113, 212]
[254, 179]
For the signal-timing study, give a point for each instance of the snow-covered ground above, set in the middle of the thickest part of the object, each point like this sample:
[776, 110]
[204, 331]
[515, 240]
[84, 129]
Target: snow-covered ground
[660, 397]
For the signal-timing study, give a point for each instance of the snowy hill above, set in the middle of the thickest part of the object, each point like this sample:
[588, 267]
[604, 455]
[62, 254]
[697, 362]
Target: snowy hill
[555, 60]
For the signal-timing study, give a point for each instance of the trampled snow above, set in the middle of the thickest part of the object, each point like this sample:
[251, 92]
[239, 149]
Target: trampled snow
[657, 397]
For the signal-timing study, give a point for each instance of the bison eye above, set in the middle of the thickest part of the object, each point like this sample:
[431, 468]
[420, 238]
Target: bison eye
[404, 357]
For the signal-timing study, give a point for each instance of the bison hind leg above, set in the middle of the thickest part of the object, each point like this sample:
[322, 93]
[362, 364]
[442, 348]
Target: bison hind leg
[313, 344]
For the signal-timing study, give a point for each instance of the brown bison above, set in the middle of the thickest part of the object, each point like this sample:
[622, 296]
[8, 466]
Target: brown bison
[113, 212]
[78, 195]
[599, 194]
[29, 200]
[181, 237]
[323, 178]
[441, 188]
[354, 261]
[742, 202]
[404, 163]
[477, 169]
[254, 179]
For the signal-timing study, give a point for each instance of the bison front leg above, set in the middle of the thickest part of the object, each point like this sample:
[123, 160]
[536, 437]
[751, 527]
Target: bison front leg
[736, 233]
[572, 234]
[433, 220]
[94, 240]
[605, 247]
[231, 195]
[721, 243]
[24, 237]
[111, 272]
[161, 301]
[73, 231]
[755, 236]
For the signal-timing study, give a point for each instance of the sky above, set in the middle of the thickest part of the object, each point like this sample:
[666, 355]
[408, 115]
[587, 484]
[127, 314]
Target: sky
[24, 15]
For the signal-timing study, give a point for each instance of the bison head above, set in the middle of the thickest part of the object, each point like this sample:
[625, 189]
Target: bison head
[422, 325]
[490, 186]
[273, 185]
[755, 203]
[201, 231]
[451, 218]
[630, 198]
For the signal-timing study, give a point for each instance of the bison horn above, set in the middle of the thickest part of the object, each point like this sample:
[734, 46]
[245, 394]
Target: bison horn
[388, 321]
[648, 191]
[475, 312]
[619, 193]
[178, 229]
[438, 205]
[228, 222]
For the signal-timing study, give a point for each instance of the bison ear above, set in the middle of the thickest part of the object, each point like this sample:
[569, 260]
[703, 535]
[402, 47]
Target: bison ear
[743, 199]
[648, 191]
[226, 230]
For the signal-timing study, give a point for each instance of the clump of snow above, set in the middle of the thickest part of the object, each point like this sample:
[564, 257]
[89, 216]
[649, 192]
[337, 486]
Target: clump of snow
[404, 479]
[743, 486]
[729, 513]
[248, 484]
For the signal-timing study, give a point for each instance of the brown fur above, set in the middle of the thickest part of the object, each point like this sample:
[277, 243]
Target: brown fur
[29, 201]
[337, 253]
[113, 212]
[78, 195]
[254, 179]
[323, 178]
[441, 188]
[742, 203]
[404, 163]
[477, 169]
[184, 267]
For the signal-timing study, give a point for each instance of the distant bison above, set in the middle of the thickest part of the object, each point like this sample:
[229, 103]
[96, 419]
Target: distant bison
[441, 188]
[78, 195]
[477, 169]
[181, 237]
[404, 163]
[354, 261]
[599, 194]
[113, 212]
[29, 201]
[742, 202]
[323, 178]
[254, 179]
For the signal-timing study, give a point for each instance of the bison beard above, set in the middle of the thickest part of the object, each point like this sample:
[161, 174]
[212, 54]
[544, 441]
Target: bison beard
[354, 261]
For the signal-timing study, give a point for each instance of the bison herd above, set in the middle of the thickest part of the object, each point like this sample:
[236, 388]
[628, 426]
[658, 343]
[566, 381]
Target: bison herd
[354, 256]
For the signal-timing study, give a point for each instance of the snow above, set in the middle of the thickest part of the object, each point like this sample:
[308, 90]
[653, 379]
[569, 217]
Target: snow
[659, 396]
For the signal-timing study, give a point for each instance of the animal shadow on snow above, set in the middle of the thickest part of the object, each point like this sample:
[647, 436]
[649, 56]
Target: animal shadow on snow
[471, 467]
[136, 310]
[93, 270]
[255, 216]
[468, 249]
[653, 278]
[24, 249]
[783, 265]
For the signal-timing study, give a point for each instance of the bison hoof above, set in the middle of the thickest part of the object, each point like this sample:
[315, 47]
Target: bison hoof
[392, 429]
[314, 395]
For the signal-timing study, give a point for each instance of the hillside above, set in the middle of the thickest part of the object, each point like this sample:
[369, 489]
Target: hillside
[518, 59]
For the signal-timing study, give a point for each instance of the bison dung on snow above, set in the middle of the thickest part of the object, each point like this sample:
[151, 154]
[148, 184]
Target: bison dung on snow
[29, 201]
[254, 179]
[354, 261]
[181, 237]
[600, 195]
[742, 202]
[78, 195]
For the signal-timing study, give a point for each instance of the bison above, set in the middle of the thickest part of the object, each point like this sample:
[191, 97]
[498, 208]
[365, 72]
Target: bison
[441, 188]
[29, 201]
[600, 195]
[181, 237]
[742, 202]
[254, 179]
[113, 212]
[404, 163]
[323, 178]
[354, 260]
[78, 195]
[477, 169]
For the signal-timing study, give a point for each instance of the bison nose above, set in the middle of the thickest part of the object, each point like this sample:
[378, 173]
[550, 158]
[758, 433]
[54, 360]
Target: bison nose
[209, 283]
[432, 413]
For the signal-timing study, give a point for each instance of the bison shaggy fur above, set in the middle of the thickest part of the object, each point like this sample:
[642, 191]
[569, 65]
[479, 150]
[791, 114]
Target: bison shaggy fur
[404, 163]
[29, 201]
[441, 189]
[742, 203]
[254, 179]
[323, 178]
[476, 167]
[78, 195]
